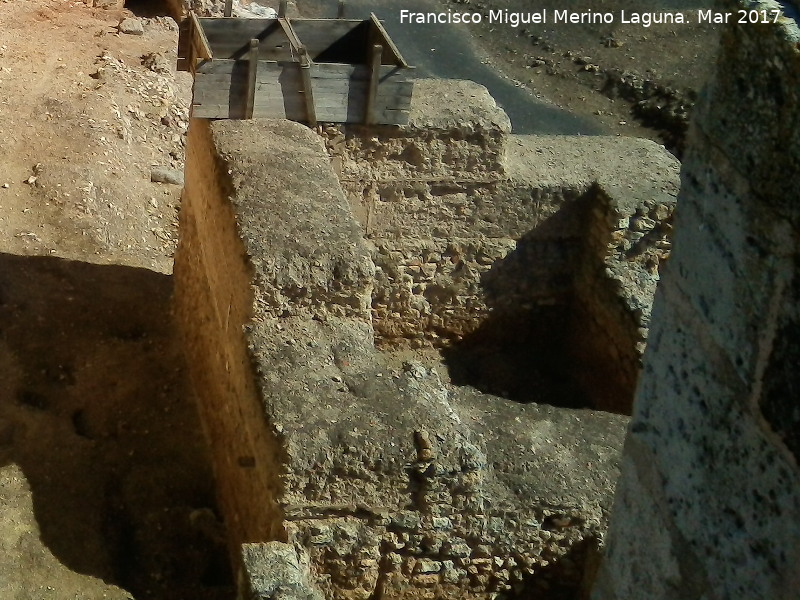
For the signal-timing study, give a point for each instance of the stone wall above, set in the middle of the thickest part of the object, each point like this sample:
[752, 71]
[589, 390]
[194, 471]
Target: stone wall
[374, 478]
[708, 504]
[481, 238]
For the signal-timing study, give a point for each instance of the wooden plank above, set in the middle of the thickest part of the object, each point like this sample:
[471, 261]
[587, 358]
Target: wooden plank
[344, 71]
[344, 115]
[230, 38]
[282, 6]
[308, 92]
[340, 10]
[219, 89]
[339, 114]
[334, 115]
[369, 113]
[290, 34]
[228, 65]
[389, 44]
[252, 72]
[228, 8]
[202, 47]
[293, 110]
[331, 100]
[362, 87]
[237, 95]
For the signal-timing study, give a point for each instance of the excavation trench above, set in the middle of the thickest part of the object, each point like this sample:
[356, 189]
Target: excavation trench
[99, 437]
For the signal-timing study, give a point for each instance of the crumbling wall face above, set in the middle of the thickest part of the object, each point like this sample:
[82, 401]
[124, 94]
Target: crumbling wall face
[451, 259]
[708, 504]
[614, 284]
[460, 152]
[396, 489]
[429, 202]
[452, 239]
[213, 302]
[492, 254]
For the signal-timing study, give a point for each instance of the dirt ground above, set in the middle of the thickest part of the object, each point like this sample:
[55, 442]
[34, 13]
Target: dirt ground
[637, 81]
[105, 485]
[82, 121]
[105, 488]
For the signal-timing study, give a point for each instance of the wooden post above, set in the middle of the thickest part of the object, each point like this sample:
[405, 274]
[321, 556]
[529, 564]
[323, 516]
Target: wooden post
[252, 71]
[282, 8]
[375, 62]
[305, 73]
[228, 8]
[340, 10]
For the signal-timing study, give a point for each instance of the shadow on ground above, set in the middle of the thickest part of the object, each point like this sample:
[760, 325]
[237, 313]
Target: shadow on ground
[95, 409]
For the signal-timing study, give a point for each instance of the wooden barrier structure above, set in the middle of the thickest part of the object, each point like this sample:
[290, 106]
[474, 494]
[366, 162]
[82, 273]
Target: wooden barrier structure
[308, 70]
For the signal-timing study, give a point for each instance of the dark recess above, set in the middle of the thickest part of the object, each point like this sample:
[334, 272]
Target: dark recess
[148, 8]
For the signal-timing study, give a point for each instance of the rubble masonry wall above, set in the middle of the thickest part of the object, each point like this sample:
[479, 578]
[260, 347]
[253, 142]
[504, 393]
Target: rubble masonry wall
[371, 477]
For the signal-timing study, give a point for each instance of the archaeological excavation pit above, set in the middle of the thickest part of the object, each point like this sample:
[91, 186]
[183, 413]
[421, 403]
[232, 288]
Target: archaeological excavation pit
[413, 351]
[317, 277]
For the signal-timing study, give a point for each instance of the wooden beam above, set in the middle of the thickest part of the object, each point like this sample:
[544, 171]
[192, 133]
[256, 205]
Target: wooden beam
[340, 10]
[199, 40]
[291, 34]
[282, 8]
[392, 48]
[375, 63]
[228, 8]
[308, 93]
[252, 73]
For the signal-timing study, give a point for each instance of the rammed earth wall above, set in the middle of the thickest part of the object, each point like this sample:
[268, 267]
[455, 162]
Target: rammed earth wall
[382, 479]
[345, 472]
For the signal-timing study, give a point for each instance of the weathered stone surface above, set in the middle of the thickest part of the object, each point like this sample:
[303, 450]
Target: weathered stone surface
[394, 483]
[277, 571]
[445, 104]
[709, 500]
[131, 26]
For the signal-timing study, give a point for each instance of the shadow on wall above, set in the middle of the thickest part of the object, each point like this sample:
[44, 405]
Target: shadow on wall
[151, 8]
[524, 350]
[95, 409]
